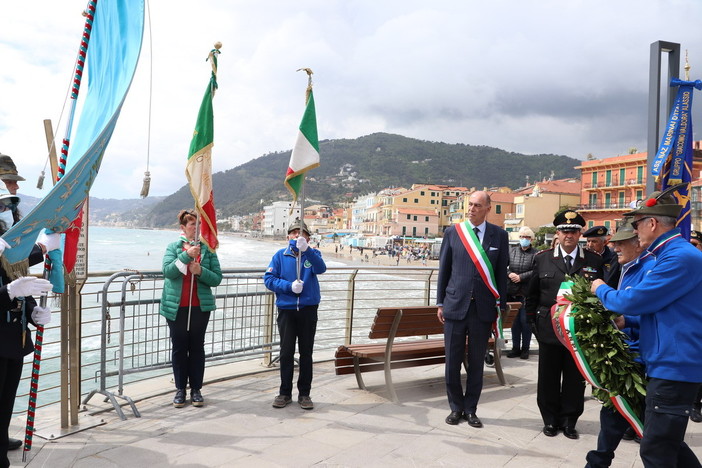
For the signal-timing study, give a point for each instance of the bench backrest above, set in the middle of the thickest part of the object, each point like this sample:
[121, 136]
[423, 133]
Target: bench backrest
[421, 320]
[415, 321]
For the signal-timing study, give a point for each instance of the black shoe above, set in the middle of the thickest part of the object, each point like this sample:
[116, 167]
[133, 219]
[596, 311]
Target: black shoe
[629, 434]
[13, 444]
[454, 418]
[179, 398]
[514, 353]
[473, 420]
[696, 414]
[550, 430]
[196, 398]
[570, 432]
[524, 355]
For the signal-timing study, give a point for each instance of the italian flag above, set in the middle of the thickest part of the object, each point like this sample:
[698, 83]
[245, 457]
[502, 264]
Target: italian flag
[305, 154]
[199, 171]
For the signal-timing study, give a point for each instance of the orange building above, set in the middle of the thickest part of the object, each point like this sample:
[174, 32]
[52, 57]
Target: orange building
[610, 185]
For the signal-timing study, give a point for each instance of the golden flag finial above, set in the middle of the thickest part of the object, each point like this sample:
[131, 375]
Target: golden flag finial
[309, 82]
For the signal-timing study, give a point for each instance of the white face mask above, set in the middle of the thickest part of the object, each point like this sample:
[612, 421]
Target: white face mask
[7, 218]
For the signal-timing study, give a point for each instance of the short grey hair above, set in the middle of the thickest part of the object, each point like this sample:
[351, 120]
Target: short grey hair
[666, 220]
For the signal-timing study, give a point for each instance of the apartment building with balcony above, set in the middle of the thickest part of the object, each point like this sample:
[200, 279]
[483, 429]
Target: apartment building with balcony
[611, 185]
[536, 205]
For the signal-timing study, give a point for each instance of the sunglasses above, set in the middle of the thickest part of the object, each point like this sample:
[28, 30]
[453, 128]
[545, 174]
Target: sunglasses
[635, 224]
[7, 205]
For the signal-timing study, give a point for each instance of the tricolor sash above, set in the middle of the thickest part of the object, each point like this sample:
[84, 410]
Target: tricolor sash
[563, 316]
[482, 264]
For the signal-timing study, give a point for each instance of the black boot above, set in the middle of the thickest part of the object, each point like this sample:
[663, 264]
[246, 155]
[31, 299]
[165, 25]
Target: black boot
[179, 399]
[514, 353]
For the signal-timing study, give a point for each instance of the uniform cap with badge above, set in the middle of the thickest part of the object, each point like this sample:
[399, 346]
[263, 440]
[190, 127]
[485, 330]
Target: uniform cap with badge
[569, 220]
[596, 231]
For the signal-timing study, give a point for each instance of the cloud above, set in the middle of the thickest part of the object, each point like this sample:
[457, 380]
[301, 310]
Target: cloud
[535, 77]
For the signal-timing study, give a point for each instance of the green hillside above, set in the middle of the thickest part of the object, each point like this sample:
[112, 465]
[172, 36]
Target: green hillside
[355, 167]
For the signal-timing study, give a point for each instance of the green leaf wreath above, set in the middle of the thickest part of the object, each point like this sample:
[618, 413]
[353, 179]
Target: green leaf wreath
[605, 349]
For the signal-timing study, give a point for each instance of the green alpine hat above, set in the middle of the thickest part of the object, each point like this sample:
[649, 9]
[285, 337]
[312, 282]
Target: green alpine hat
[660, 204]
[625, 231]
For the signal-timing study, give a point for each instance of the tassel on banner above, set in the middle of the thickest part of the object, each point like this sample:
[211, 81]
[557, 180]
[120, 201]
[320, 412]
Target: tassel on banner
[147, 184]
[40, 182]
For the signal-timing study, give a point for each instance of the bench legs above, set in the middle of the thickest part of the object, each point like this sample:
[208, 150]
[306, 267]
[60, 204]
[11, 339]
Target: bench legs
[388, 380]
[357, 370]
[498, 366]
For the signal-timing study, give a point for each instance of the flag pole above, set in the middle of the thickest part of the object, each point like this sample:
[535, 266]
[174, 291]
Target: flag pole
[308, 92]
[200, 166]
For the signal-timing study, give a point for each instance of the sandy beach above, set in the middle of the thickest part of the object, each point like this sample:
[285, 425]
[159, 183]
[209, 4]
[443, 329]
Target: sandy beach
[354, 257]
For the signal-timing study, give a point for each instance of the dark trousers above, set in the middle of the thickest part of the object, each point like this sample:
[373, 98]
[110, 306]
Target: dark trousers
[668, 406]
[455, 332]
[188, 354]
[10, 374]
[301, 326]
[521, 331]
[560, 390]
[612, 428]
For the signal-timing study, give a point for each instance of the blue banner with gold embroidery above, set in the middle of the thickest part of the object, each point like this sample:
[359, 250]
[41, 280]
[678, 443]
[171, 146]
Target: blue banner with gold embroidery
[112, 58]
[673, 162]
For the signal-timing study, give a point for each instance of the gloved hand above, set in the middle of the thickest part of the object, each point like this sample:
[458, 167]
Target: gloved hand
[302, 244]
[28, 286]
[49, 241]
[41, 315]
[297, 286]
[293, 245]
[3, 245]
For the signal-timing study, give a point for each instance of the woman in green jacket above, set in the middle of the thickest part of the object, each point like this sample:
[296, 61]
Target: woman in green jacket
[190, 272]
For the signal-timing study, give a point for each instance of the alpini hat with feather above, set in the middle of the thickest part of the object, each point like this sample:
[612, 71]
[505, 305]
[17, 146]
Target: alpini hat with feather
[568, 220]
[660, 204]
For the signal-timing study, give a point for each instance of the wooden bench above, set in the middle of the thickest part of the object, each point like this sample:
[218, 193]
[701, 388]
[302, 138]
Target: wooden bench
[391, 323]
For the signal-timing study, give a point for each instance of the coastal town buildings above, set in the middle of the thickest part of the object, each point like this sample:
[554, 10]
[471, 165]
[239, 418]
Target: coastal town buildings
[535, 205]
[277, 218]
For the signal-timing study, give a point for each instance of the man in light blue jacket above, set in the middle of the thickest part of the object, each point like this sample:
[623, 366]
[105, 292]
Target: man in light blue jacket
[292, 276]
[668, 302]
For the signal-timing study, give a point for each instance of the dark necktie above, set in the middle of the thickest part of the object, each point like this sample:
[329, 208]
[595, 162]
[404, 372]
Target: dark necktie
[569, 262]
[477, 232]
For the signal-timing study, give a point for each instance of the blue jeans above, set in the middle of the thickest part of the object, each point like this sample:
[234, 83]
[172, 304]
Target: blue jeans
[612, 428]
[668, 405]
[301, 326]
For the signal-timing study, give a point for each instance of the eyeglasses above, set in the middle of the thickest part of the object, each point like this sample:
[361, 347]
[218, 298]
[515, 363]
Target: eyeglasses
[635, 224]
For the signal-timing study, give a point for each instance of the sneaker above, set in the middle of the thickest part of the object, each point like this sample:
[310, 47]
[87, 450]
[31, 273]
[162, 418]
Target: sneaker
[305, 402]
[179, 398]
[281, 401]
[514, 353]
[524, 354]
[196, 398]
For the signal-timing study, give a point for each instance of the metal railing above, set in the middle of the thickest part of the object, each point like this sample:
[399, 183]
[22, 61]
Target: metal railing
[125, 340]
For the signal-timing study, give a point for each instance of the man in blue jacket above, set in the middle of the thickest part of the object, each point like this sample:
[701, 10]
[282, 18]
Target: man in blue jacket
[668, 302]
[292, 276]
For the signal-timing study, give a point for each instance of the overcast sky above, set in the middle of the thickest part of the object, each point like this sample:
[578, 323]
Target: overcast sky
[543, 76]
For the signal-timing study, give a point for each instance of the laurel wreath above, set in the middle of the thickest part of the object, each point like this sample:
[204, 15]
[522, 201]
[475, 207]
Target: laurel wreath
[605, 349]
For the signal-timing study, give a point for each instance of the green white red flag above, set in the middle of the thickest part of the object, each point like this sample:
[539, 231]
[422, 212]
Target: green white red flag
[199, 167]
[305, 154]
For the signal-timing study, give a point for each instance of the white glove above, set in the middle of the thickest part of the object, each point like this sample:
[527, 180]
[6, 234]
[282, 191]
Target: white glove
[297, 286]
[41, 315]
[3, 245]
[49, 241]
[28, 286]
[302, 244]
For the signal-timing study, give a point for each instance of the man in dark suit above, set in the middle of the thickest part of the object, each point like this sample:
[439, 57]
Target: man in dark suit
[560, 388]
[472, 278]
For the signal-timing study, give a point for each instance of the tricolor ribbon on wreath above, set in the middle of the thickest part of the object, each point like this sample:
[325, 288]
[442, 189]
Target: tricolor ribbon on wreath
[565, 321]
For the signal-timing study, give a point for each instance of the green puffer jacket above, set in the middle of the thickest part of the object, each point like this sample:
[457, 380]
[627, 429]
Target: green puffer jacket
[210, 277]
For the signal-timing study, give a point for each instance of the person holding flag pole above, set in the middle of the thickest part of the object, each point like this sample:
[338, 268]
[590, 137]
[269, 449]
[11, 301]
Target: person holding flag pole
[292, 273]
[186, 263]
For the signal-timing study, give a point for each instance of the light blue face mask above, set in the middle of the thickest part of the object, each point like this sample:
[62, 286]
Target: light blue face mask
[7, 218]
[525, 242]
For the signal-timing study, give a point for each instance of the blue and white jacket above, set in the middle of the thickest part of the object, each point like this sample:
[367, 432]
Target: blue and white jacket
[282, 271]
[669, 303]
